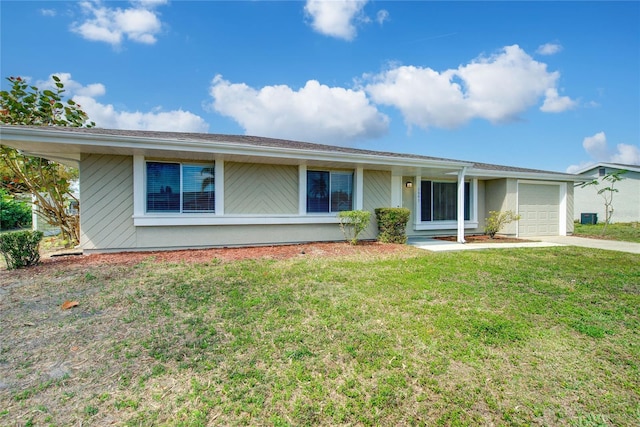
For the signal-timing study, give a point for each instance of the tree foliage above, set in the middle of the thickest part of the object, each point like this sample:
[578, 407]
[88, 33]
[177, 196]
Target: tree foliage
[606, 189]
[14, 213]
[46, 180]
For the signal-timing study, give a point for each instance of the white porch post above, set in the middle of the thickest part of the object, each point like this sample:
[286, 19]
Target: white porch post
[461, 173]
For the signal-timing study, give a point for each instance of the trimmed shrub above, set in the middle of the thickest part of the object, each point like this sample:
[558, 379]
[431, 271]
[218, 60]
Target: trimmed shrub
[20, 248]
[352, 223]
[392, 224]
[13, 213]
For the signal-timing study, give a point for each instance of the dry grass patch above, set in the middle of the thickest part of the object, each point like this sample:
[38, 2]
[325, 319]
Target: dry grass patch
[508, 337]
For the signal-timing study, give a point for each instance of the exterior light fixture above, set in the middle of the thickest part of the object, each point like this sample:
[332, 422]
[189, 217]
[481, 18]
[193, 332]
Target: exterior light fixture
[408, 184]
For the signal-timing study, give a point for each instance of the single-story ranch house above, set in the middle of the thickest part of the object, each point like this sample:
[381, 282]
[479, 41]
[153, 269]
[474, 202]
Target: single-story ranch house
[144, 190]
[626, 201]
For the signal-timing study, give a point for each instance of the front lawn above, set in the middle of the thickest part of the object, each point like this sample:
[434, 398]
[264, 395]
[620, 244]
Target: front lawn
[628, 232]
[495, 337]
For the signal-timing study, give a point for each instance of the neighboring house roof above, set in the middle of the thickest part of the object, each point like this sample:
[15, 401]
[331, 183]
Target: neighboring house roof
[619, 166]
[66, 143]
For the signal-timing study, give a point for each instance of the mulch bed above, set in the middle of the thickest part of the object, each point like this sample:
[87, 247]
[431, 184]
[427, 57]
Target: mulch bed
[315, 250]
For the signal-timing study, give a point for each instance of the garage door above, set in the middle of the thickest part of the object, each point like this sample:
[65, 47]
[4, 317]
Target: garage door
[538, 206]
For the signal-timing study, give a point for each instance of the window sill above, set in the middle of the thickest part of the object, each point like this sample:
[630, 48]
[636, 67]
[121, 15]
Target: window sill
[211, 219]
[443, 225]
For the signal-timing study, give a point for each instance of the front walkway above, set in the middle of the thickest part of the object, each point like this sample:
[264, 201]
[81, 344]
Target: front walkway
[611, 245]
[435, 245]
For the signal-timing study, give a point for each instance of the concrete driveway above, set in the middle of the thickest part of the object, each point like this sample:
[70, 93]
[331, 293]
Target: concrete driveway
[611, 245]
[435, 245]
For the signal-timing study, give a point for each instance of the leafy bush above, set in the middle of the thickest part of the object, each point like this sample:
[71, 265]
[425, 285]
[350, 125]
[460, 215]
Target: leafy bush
[392, 224]
[13, 213]
[497, 220]
[20, 248]
[352, 223]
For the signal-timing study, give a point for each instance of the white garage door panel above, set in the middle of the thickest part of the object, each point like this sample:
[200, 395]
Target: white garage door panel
[538, 206]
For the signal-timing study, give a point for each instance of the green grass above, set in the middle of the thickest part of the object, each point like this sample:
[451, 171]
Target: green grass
[627, 232]
[497, 337]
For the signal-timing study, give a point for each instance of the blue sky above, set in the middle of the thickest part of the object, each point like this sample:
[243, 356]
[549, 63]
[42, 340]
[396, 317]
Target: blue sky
[546, 85]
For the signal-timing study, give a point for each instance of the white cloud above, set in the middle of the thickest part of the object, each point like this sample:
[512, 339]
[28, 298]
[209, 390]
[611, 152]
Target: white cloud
[598, 149]
[579, 167]
[496, 88]
[315, 112]
[549, 49]
[596, 146]
[139, 23]
[106, 115]
[382, 16]
[48, 12]
[335, 17]
[72, 87]
[556, 104]
[626, 154]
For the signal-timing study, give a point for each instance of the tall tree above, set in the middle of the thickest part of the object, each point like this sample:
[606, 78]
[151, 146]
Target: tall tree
[48, 182]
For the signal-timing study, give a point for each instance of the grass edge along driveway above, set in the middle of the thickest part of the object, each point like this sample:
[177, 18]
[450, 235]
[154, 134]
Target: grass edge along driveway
[504, 337]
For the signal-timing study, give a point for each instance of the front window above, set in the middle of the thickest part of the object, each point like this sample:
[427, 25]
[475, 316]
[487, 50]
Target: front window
[329, 191]
[439, 201]
[178, 187]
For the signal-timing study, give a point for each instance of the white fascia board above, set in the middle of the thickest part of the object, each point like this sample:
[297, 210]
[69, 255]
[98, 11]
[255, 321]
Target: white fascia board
[484, 173]
[139, 145]
[630, 168]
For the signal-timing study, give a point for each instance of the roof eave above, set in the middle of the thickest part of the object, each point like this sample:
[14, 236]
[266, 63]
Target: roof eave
[138, 144]
[544, 176]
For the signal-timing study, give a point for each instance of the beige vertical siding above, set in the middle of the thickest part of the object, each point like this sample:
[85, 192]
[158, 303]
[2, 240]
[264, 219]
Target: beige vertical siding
[376, 194]
[260, 189]
[570, 207]
[106, 202]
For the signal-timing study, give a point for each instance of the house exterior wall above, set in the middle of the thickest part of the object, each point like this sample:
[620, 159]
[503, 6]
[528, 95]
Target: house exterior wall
[251, 188]
[106, 203]
[570, 208]
[482, 206]
[203, 236]
[626, 201]
[495, 195]
[409, 201]
[501, 196]
[107, 208]
[376, 194]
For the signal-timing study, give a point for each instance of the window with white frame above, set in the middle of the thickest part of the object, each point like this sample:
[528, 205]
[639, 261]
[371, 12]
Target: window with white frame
[329, 191]
[439, 201]
[179, 187]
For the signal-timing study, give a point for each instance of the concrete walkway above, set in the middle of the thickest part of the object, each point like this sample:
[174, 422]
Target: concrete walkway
[435, 245]
[611, 245]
